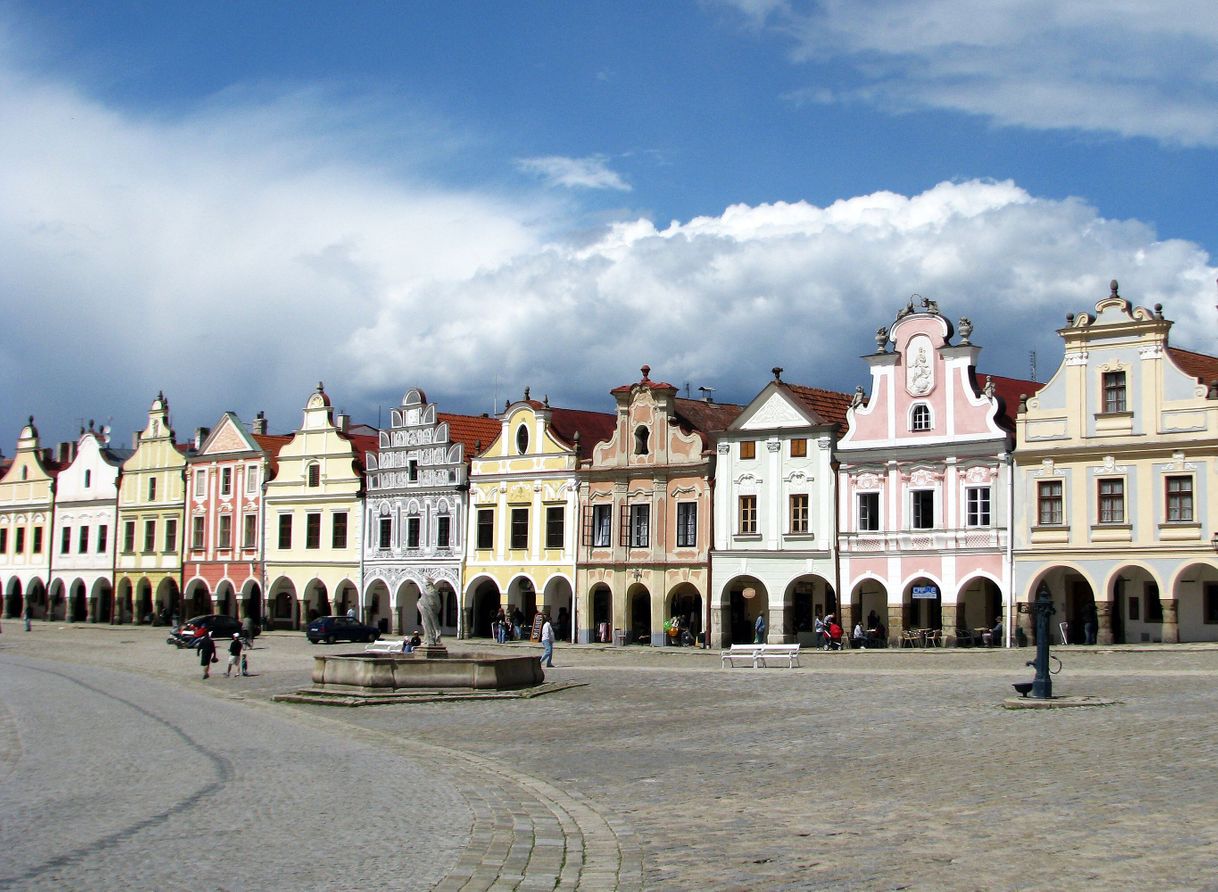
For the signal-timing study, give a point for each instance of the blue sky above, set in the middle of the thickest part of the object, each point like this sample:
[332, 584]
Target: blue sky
[476, 197]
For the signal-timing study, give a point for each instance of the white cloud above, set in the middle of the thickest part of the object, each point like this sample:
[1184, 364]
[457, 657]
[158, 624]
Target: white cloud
[1129, 68]
[575, 173]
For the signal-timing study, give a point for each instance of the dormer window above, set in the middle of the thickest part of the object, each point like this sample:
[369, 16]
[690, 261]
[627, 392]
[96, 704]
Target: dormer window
[522, 439]
[314, 475]
[1114, 392]
[919, 418]
[641, 437]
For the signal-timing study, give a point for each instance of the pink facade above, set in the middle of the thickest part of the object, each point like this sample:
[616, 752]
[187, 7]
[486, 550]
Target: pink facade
[222, 570]
[924, 486]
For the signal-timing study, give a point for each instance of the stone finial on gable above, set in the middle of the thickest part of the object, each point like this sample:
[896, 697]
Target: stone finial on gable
[1114, 288]
[931, 306]
[965, 327]
[777, 373]
[881, 339]
[526, 394]
[646, 370]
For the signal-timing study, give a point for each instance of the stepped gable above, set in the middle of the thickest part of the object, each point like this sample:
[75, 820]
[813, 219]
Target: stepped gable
[592, 427]
[470, 431]
[1201, 366]
[828, 405]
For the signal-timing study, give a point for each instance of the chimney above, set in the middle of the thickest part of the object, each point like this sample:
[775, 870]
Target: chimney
[200, 435]
[67, 452]
[135, 439]
[342, 422]
[259, 425]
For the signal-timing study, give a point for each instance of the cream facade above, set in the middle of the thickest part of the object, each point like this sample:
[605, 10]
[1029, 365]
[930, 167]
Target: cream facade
[27, 507]
[646, 516]
[86, 515]
[775, 547]
[524, 497]
[151, 511]
[1117, 483]
[314, 517]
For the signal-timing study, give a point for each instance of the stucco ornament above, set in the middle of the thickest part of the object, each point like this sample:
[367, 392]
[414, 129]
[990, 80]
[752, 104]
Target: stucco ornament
[919, 377]
[429, 609]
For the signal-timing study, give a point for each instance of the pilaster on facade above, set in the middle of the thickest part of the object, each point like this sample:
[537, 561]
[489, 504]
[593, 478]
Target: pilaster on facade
[27, 510]
[415, 511]
[1116, 476]
[646, 516]
[775, 552]
[925, 484]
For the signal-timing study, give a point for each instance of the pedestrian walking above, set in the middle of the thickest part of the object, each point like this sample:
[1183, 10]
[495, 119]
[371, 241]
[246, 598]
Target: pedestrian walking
[245, 662]
[547, 641]
[29, 615]
[207, 654]
[234, 655]
[759, 629]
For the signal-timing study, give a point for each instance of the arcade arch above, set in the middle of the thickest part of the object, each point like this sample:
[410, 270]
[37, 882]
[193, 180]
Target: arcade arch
[746, 598]
[638, 609]
[1195, 589]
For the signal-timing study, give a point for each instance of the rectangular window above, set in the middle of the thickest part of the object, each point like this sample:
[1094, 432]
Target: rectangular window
[869, 512]
[313, 530]
[386, 533]
[1114, 392]
[1179, 499]
[602, 526]
[196, 533]
[285, 531]
[799, 513]
[412, 532]
[978, 506]
[314, 476]
[687, 524]
[799, 447]
[1049, 503]
[922, 509]
[37, 540]
[149, 535]
[65, 540]
[249, 531]
[19, 541]
[486, 527]
[225, 537]
[412, 470]
[129, 537]
[152, 489]
[200, 483]
[82, 544]
[748, 515]
[4, 541]
[171, 534]
[251, 479]
[226, 481]
[520, 528]
[338, 530]
[640, 526]
[443, 531]
[1112, 501]
[103, 534]
[555, 522]
[748, 449]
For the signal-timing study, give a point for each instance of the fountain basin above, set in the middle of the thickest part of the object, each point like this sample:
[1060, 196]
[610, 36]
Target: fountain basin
[385, 672]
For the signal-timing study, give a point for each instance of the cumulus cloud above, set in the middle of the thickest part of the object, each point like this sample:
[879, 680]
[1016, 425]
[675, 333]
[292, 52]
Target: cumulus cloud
[1129, 68]
[592, 172]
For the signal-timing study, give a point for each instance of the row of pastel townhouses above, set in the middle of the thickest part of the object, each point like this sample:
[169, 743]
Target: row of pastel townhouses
[939, 501]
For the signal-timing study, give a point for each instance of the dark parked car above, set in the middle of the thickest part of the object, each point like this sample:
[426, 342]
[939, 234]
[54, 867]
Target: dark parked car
[192, 631]
[339, 628]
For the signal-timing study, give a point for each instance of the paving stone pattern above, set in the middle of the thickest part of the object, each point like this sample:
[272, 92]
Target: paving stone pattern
[868, 770]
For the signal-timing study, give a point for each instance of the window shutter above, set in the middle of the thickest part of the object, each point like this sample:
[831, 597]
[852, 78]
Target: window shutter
[586, 535]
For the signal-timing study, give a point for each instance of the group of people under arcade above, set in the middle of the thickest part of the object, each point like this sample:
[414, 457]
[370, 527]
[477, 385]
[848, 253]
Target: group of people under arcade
[508, 624]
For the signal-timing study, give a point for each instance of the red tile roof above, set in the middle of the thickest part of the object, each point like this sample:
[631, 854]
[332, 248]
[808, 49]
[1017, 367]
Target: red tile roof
[827, 405]
[271, 444]
[1008, 391]
[1201, 366]
[705, 418]
[593, 427]
[474, 432]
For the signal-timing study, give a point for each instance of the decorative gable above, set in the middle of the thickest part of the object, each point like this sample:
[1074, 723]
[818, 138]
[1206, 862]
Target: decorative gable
[776, 412]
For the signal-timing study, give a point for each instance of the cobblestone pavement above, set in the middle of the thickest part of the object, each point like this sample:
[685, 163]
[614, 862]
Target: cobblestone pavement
[869, 770]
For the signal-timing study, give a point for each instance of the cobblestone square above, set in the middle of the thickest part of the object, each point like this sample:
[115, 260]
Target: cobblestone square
[870, 770]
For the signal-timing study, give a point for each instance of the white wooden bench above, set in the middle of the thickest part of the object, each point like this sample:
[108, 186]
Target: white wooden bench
[760, 655]
[385, 646]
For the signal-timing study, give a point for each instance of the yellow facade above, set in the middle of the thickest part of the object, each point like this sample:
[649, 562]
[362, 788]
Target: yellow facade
[521, 536]
[26, 517]
[313, 516]
[1117, 484]
[151, 508]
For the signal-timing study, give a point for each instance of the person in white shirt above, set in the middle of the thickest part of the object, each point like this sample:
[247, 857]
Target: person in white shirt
[547, 641]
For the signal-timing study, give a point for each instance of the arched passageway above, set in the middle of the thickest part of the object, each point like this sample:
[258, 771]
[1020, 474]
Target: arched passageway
[484, 602]
[602, 613]
[101, 602]
[686, 608]
[639, 599]
[747, 599]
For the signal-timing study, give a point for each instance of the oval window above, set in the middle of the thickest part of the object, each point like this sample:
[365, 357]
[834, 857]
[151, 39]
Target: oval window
[522, 439]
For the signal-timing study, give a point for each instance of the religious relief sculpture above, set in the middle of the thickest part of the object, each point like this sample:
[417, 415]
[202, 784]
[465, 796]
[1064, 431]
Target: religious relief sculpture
[429, 610]
[919, 377]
